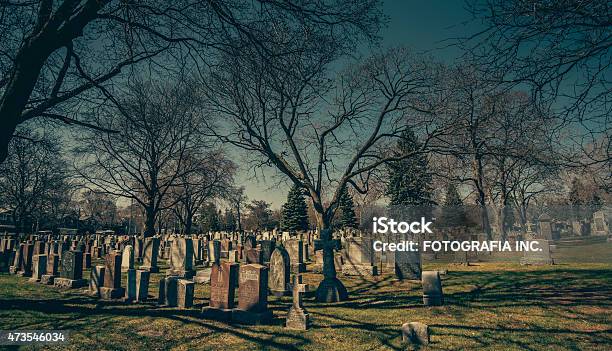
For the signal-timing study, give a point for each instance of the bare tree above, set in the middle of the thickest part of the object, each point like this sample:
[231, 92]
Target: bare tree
[59, 56]
[150, 157]
[563, 50]
[30, 176]
[323, 135]
[211, 176]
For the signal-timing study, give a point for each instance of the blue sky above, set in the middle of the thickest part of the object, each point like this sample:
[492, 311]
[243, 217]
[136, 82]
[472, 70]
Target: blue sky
[421, 25]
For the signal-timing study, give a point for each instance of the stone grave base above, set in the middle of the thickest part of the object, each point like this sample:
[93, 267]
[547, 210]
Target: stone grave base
[66, 283]
[24, 274]
[360, 269]
[247, 317]
[180, 274]
[47, 279]
[297, 319]
[154, 269]
[34, 280]
[111, 293]
[217, 313]
[433, 300]
[536, 261]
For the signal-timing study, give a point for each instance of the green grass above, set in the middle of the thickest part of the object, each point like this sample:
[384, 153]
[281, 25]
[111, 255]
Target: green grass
[489, 305]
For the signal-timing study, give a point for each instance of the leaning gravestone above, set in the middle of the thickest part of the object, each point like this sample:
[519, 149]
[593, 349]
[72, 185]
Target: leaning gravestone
[297, 317]
[252, 295]
[415, 333]
[71, 274]
[432, 288]
[222, 289]
[278, 282]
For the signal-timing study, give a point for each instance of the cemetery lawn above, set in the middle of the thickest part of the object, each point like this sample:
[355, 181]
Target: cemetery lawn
[489, 306]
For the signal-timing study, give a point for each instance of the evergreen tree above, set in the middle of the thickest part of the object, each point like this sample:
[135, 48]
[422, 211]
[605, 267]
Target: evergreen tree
[294, 215]
[453, 212]
[229, 220]
[409, 179]
[346, 217]
[209, 218]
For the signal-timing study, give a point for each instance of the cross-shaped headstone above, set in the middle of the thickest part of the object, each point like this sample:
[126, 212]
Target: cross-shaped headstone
[298, 290]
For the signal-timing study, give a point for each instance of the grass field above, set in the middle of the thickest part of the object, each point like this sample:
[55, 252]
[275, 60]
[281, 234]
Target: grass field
[489, 306]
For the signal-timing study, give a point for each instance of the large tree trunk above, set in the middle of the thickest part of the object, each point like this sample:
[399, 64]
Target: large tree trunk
[478, 173]
[149, 222]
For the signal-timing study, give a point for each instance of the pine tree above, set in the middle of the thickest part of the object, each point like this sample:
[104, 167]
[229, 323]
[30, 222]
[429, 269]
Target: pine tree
[229, 220]
[294, 215]
[409, 179]
[346, 217]
[453, 212]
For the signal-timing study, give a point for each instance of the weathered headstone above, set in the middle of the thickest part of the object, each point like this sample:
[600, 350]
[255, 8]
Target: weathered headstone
[432, 288]
[297, 317]
[39, 267]
[408, 263]
[253, 255]
[96, 280]
[71, 273]
[252, 295]
[415, 333]
[359, 258]
[142, 285]
[181, 259]
[295, 249]
[127, 258]
[280, 270]
[223, 279]
[541, 257]
[150, 252]
[202, 276]
[112, 277]
[214, 251]
[267, 247]
[130, 286]
[331, 288]
[185, 290]
[545, 227]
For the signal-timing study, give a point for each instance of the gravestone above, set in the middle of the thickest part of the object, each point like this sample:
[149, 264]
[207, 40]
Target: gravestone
[142, 285]
[168, 291]
[252, 295]
[71, 273]
[185, 290]
[280, 271]
[5, 258]
[416, 333]
[432, 288]
[96, 280]
[25, 268]
[86, 260]
[17, 260]
[214, 251]
[130, 286]
[541, 257]
[359, 258]
[112, 277]
[52, 271]
[297, 317]
[408, 263]
[39, 267]
[600, 225]
[127, 258]
[181, 259]
[545, 227]
[150, 252]
[295, 249]
[331, 288]
[223, 280]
